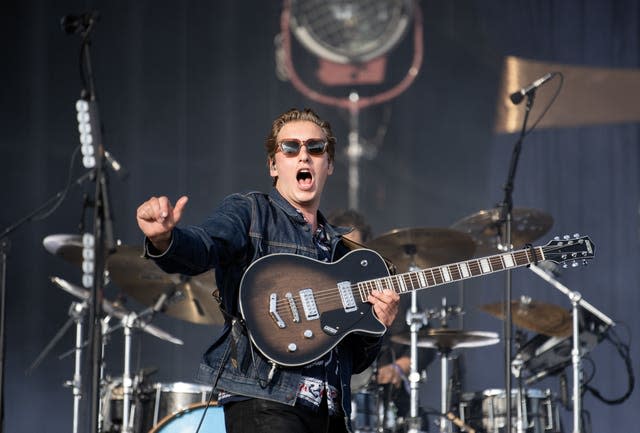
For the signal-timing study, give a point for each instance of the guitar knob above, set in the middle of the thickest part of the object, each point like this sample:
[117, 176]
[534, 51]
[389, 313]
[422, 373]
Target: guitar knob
[292, 347]
[308, 333]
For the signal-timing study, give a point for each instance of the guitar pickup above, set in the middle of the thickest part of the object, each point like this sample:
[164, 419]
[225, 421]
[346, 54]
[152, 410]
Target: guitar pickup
[273, 311]
[293, 307]
[346, 295]
[309, 304]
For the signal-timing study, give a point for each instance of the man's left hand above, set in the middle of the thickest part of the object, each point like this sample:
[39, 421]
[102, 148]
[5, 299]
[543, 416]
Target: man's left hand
[385, 305]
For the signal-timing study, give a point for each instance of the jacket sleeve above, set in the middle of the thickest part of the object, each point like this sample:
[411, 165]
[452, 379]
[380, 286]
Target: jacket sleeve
[223, 237]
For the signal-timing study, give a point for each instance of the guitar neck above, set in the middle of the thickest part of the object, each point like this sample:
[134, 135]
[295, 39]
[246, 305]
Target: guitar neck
[445, 274]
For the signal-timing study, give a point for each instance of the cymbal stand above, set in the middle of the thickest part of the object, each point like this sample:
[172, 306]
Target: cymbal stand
[128, 323]
[416, 320]
[576, 301]
[77, 311]
[516, 370]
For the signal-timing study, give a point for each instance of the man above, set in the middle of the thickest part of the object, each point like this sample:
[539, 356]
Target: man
[258, 395]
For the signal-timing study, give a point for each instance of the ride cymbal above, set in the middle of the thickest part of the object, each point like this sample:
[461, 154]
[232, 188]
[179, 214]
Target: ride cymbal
[445, 339]
[423, 247]
[547, 319]
[487, 230]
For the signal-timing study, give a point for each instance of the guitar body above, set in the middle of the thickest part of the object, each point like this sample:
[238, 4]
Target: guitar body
[297, 308]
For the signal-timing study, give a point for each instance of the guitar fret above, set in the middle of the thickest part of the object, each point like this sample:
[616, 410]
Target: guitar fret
[485, 267]
[464, 268]
[445, 273]
[422, 279]
[508, 261]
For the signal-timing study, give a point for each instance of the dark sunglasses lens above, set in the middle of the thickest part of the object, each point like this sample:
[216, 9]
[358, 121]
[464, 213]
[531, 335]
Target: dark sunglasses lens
[290, 147]
[315, 147]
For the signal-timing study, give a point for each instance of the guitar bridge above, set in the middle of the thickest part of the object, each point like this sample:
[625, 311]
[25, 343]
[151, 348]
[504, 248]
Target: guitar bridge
[273, 311]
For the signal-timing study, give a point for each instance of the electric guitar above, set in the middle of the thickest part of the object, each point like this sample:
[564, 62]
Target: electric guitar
[297, 309]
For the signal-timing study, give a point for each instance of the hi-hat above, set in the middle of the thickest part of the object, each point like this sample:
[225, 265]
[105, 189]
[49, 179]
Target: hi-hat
[487, 230]
[547, 319]
[114, 310]
[188, 298]
[445, 339]
[423, 247]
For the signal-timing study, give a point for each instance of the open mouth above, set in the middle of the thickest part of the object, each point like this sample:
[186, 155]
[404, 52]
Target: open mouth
[304, 177]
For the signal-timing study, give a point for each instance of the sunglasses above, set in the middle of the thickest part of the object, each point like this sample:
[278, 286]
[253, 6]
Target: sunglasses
[292, 146]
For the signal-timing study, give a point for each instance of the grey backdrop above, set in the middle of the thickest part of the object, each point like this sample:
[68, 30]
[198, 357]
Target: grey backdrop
[187, 91]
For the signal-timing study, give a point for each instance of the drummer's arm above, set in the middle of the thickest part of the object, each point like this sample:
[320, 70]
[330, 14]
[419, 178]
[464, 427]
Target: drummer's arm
[395, 372]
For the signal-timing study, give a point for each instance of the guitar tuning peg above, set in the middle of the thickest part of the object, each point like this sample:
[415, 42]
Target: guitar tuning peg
[574, 264]
[576, 235]
[565, 265]
[566, 237]
[584, 262]
[556, 238]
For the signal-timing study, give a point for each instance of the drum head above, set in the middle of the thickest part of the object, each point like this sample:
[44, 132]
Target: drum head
[187, 420]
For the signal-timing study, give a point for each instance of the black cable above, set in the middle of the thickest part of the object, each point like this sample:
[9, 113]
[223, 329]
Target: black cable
[63, 194]
[623, 350]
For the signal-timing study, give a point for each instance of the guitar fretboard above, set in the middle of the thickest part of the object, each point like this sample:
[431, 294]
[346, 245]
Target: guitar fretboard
[438, 275]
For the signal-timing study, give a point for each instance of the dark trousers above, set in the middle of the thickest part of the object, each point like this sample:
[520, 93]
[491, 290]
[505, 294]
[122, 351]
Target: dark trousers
[253, 416]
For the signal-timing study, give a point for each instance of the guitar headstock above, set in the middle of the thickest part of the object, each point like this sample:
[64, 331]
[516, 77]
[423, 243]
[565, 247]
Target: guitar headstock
[574, 249]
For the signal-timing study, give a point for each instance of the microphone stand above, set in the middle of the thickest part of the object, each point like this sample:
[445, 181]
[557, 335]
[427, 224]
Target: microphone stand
[506, 217]
[416, 320]
[104, 242]
[576, 301]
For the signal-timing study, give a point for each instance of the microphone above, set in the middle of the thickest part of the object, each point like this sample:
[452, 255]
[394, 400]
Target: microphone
[117, 168]
[72, 24]
[517, 97]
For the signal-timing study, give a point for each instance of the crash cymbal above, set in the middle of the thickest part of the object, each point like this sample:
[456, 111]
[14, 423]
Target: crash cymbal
[188, 298]
[114, 310]
[486, 229]
[445, 339]
[66, 246]
[547, 319]
[423, 247]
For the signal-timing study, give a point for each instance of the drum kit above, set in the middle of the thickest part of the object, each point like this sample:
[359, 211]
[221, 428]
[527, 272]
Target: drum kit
[177, 407]
[152, 407]
[533, 410]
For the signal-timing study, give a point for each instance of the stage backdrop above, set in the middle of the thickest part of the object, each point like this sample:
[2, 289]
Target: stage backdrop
[186, 92]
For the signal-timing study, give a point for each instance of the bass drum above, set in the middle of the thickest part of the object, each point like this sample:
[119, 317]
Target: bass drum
[167, 399]
[486, 410]
[187, 420]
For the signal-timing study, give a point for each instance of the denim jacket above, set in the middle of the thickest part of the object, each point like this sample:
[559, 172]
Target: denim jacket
[244, 228]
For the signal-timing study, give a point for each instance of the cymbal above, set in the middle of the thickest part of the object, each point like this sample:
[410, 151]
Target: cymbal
[67, 246]
[445, 339]
[188, 298]
[547, 319]
[114, 310]
[423, 247]
[486, 229]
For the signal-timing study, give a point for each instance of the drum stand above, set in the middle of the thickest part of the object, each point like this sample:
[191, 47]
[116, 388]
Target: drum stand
[576, 300]
[415, 320]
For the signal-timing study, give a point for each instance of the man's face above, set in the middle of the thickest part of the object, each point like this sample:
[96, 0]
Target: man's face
[301, 178]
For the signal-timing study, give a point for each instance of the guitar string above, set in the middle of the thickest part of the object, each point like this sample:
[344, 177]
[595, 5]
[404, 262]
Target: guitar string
[324, 295]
